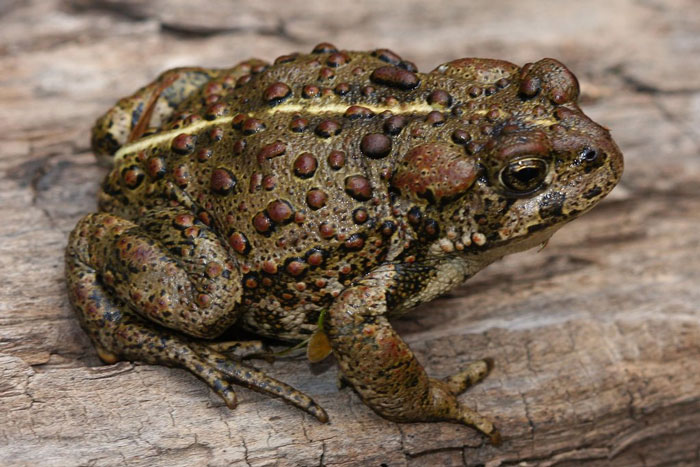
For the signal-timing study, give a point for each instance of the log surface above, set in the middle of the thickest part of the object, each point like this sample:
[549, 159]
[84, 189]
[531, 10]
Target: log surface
[596, 338]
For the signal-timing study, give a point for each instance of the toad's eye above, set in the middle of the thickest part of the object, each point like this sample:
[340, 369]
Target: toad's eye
[524, 175]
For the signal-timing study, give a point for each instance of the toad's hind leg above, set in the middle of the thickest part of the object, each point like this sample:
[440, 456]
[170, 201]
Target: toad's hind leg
[123, 278]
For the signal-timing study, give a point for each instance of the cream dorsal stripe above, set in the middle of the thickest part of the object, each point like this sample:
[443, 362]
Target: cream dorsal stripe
[333, 108]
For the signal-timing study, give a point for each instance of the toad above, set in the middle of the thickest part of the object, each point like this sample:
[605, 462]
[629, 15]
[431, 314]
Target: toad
[319, 197]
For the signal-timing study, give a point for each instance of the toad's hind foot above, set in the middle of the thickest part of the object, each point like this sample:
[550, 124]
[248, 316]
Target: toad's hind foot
[238, 349]
[217, 370]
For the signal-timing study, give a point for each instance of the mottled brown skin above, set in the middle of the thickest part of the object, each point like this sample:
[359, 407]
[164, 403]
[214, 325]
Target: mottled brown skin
[340, 182]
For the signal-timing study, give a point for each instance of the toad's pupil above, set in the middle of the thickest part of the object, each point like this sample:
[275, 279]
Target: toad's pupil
[526, 174]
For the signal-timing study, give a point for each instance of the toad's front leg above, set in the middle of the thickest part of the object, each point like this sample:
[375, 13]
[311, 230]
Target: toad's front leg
[384, 371]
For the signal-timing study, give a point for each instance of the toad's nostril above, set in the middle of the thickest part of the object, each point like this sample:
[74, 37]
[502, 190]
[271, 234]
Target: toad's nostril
[589, 155]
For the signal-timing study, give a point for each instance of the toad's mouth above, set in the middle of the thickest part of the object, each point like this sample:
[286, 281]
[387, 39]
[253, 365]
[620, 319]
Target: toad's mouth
[517, 244]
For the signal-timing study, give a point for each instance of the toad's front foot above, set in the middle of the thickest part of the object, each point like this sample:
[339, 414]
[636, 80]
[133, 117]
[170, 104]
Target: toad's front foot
[444, 406]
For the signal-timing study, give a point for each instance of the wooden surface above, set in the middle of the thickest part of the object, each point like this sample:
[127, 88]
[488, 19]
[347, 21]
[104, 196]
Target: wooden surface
[596, 338]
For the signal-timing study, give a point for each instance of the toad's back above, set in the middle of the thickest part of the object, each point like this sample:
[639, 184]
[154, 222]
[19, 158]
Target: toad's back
[291, 164]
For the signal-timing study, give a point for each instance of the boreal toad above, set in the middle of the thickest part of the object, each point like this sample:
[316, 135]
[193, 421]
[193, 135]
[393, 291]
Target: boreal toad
[320, 196]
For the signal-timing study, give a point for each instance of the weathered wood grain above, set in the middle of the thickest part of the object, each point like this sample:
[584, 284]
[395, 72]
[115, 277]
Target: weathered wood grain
[596, 338]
